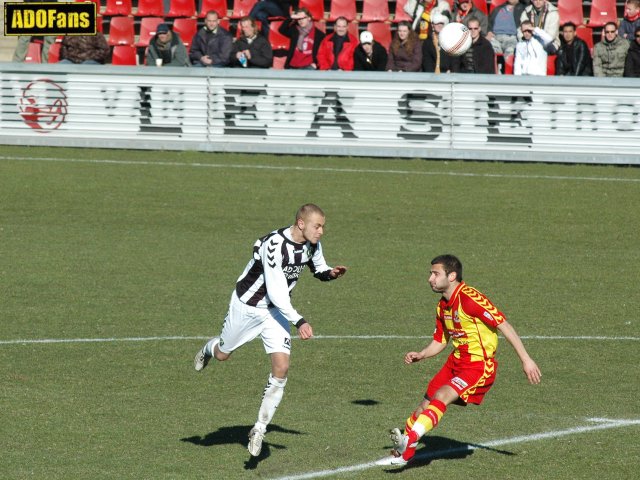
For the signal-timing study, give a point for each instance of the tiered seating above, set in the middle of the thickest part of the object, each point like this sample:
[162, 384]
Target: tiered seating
[602, 11]
[375, 11]
[117, 7]
[121, 31]
[315, 7]
[586, 34]
[34, 53]
[218, 6]
[343, 8]
[150, 8]
[400, 14]
[241, 8]
[482, 6]
[277, 40]
[570, 11]
[182, 8]
[124, 55]
[186, 28]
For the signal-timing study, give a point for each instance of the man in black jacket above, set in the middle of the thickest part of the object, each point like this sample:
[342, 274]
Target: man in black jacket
[573, 58]
[369, 55]
[251, 50]
[211, 46]
[632, 63]
[480, 58]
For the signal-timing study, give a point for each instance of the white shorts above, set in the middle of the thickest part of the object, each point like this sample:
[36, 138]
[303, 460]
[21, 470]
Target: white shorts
[243, 323]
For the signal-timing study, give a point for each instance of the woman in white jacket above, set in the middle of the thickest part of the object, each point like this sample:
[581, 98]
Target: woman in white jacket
[531, 52]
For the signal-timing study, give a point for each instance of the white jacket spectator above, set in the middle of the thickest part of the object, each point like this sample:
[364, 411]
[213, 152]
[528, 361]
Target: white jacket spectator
[531, 51]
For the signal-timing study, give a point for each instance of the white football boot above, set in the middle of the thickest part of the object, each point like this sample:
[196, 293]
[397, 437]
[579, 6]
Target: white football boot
[255, 441]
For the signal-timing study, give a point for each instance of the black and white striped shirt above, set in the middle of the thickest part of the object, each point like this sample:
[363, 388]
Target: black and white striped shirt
[274, 270]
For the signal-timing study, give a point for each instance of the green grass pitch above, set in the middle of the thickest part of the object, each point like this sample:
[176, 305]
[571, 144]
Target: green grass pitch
[124, 245]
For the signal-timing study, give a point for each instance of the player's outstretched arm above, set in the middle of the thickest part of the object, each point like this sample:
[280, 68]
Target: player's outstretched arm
[305, 332]
[530, 368]
[338, 271]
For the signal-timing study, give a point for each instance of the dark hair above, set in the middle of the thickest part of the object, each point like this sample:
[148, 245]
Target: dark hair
[450, 263]
[569, 24]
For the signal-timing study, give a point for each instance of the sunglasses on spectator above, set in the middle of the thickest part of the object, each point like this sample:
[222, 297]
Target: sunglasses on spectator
[609, 31]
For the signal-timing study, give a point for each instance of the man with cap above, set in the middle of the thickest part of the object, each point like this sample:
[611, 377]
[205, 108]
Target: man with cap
[369, 55]
[166, 48]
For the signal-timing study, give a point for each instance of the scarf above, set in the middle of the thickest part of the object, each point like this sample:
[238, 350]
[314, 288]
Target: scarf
[632, 18]
[303, 33]
[542, 16]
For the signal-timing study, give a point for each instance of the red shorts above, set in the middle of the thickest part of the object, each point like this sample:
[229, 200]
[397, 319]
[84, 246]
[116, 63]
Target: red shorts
[471, 380]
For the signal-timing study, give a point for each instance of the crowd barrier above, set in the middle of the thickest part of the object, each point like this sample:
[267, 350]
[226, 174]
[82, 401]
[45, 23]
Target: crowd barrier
[382, 114]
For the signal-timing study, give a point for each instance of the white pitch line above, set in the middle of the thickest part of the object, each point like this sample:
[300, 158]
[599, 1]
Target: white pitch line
[316, 169]
[601, 424]
[316, 337]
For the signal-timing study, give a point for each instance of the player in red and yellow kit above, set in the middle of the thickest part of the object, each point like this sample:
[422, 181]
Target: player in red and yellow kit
[471, 322]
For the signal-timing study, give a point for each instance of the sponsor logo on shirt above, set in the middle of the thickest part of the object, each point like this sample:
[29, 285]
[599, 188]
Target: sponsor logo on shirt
[488, 315]
[457, 381]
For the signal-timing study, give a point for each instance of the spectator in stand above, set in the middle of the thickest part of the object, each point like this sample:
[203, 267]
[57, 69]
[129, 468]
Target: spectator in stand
[336, 49]
[434, 59]
[631, 20]
[504, 22]
[466, 11]
[211, 46]
[20, 53]
[369, 55]
[422, 12]
[632, 64]
[305, 40]
[531, 51]
[85, 49]
[543, 14]
[264, 9]
[251, 50]
[573, 57]
[166, 48]
[480, 58]
[405, 52]
[610, 54]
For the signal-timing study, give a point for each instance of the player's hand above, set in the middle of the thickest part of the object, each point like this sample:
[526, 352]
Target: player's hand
[532, 371]
[412, 357]
[338, 271]
[305, 332]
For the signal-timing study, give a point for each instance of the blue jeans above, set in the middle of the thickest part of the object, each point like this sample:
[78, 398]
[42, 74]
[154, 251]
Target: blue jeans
[264, 9]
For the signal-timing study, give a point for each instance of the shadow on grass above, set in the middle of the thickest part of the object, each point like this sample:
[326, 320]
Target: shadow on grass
[441, 448]
[239, 434]
[365, 402]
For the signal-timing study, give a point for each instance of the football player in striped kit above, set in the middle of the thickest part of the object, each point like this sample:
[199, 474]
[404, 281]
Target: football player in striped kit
[261, 305]
[469, 319]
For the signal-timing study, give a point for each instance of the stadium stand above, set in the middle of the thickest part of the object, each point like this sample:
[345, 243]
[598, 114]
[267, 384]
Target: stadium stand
[121, 31]
[375, 11]
[218, 6]
[343, 8]
[182, 8]
[150, 8]
[117, 7]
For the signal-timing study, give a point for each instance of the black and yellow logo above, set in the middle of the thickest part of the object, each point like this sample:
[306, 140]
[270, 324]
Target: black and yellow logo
[50, 18]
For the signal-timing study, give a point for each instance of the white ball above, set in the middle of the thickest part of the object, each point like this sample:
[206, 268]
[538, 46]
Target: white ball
[455, 39]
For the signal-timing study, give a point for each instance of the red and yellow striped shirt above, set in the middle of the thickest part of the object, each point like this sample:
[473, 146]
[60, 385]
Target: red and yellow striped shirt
[470, 320]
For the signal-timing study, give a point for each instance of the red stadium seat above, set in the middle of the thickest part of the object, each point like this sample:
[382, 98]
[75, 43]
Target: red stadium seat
[219, 6]
[148, 27]
[482, 6]
[400, 14]
[343, 8]
[117, 7]
[375, 11]
[277, 40]
[124, 55]
[381, 33]
[551, 65]
[182, 8]
[315, 7]
[241, 8]
[121, 31]
[570, 11]
[187, 29]
[353, 29]
[34, 53]
[150, 8]
[54, 51]
[602, 11]
[586, 34]
[496, 3]
[508, 64]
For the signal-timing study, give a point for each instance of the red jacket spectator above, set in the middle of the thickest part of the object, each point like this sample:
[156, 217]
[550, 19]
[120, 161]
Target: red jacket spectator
[326, 55]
